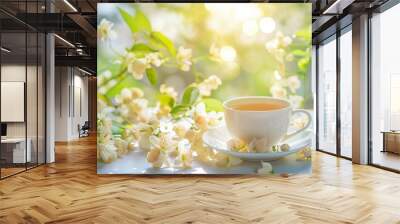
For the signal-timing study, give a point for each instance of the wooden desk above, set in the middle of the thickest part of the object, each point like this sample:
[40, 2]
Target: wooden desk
[13, 150]
[391, 141]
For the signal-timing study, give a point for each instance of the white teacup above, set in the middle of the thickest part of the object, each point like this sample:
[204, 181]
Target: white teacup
[256, 117]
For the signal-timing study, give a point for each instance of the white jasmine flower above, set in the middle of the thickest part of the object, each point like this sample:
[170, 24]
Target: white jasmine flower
[184, 58]
[237, 144]
[104, 125]
[138, 105]
[156, 157]
[278, 91]
[214, 51]
[104, 30]
[107, 152]
[138, 68]
[209, 84]
[193, 135]
[168, 90]
[126, 95]
[146, 115]
[121, 145]
[214, 118]
[272, 45]
[153, 155]
[185, 154]
[163, 110]
[154, 59]
[166, 126]
[286, 41]
[200, 109]
[144, 141]
[277, 75]
[200, 116]
[182, 126]
[296, 101]
[128, 58]
[164, 142]
[136, 93]
[293, 83]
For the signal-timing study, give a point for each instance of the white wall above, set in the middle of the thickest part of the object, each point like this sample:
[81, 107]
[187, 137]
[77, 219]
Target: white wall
[70, 83]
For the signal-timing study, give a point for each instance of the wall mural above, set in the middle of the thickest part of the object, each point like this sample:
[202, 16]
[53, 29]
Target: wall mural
[204, 88]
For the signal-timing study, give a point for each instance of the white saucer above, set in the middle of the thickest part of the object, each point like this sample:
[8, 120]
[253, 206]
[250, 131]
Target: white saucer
[218, 137]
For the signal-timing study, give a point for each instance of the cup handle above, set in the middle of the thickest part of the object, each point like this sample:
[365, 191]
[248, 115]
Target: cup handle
[309, 118]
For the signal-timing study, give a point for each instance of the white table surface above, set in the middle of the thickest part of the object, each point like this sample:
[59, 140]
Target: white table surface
[135, 163]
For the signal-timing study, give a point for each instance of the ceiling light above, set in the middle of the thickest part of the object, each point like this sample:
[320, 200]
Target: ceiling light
[5, 50]
[64, 40]
[84, 71]
[70, 5]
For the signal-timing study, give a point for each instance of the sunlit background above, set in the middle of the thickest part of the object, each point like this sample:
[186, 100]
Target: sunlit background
[255, 49]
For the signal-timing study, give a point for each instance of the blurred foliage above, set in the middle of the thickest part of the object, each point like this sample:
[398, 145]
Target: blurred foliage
[248, 69]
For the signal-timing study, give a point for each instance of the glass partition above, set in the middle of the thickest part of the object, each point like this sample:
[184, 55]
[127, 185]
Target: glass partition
[346, 93]
[327, 96]
[22, 76]
[385, 89]
[31, 99]
[14, 153]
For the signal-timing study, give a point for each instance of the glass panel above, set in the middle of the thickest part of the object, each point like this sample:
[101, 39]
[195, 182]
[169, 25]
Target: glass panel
[13, 86]
[314, 92]
[31, 99]
[327, 97]
[41, 98]
[346, 94]
[385, 84]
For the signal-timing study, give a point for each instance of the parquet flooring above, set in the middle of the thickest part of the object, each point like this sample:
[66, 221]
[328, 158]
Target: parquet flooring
[70, 191]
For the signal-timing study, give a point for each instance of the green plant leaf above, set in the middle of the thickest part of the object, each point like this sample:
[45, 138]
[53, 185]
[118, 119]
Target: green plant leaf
[126, 82]
[166, 100]
[152, 76]
[304, 33]
[164, 41]
[137, 22]
[213, 105]
[190, 95]
[298, 52]
[179, 110]
[303, 63]
[143, 48]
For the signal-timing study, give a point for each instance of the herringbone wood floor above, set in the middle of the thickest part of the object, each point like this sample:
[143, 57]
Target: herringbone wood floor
[69, 191]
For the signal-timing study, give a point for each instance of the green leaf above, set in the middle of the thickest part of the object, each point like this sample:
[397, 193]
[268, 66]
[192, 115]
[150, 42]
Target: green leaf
[304, 33]
[143, 48]
[213, 105]
[127, 82]
[152, 76]
[166, 100]
[178, 110]
[303, 64]
[136, 23]
[165, 41]
[190, 95]
[298, 52]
